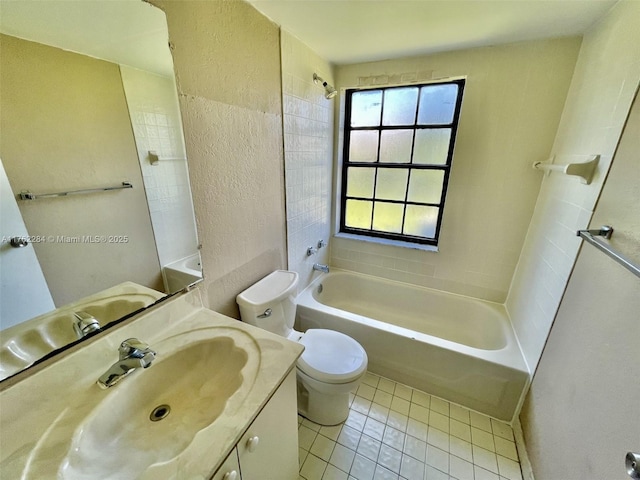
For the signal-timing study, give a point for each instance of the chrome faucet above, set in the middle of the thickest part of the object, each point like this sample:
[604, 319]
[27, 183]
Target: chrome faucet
[321, 268]
[84, 324]
[133, 354]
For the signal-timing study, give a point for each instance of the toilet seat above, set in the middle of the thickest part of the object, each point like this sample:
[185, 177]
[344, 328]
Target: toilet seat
[331, 357]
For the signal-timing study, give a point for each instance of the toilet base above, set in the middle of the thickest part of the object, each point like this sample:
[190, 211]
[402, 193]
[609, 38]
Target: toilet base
[323, 403]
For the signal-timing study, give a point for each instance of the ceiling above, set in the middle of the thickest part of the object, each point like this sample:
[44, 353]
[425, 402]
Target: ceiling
[354, 31]
[129, 32]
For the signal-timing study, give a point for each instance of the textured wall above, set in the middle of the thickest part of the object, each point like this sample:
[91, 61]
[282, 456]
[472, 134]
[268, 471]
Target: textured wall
[510, 112]
[604, 82]
[308, 153]
[227, 63]
[584, 397]
[65, 127]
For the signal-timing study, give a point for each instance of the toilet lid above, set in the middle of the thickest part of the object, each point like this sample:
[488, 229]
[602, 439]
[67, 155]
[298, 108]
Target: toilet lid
[331, 357]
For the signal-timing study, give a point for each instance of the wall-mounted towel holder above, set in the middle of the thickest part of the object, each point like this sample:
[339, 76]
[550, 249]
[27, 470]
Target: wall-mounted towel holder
[583, 170]
[155, 159]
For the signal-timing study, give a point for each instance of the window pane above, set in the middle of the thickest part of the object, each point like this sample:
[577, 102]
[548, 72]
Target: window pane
[363, 146]
[358, 214]
[400, 106]
[360, 182]
[387, 217]
[425, 186]
[437, 104]
[365, 108]
[421, 221]
[391, 184]
[432, 146]
[395, 146]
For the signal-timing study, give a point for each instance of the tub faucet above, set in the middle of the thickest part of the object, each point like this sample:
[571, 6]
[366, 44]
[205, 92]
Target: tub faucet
[321, 268]
[84, 324]
[133, 354]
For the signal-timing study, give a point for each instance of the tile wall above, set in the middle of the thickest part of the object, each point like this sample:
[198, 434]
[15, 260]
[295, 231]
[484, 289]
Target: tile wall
[153, 107]
[605, 80]
[308, 153]
[510, 112]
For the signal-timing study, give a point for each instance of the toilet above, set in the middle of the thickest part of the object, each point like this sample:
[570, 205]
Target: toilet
[332, 363]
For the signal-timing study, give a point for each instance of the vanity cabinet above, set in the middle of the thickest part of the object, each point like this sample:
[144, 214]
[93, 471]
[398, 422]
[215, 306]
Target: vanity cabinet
[268, 449]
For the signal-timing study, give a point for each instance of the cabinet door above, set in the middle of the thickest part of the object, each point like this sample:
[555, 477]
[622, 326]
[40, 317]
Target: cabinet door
[229, 470]
[269, 448]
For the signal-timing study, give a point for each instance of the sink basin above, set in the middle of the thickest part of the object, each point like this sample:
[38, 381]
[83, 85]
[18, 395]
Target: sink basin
[153, 414]
[25, 343]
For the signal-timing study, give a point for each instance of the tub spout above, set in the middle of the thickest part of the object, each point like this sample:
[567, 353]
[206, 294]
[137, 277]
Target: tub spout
[321, 268]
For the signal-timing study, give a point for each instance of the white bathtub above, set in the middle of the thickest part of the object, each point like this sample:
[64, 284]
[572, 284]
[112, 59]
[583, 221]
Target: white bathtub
[455, 347]
[178, 275]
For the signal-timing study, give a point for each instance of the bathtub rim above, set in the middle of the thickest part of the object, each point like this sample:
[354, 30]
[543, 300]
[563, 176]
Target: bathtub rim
[510, 356]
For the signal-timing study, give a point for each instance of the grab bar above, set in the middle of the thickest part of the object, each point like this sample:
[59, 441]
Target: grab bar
[606, 231]
[27, 195]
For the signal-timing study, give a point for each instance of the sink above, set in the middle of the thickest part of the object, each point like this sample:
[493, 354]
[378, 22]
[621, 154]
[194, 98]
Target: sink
[153, 414]
[25, 343]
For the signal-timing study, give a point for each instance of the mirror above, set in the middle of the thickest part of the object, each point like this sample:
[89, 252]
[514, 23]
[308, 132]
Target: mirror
[97, 215]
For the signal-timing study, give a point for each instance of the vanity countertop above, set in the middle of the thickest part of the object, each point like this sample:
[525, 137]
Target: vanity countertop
[39, 414]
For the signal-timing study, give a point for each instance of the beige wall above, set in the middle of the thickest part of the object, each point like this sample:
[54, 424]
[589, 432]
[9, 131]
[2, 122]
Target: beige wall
[510, 112]
[65, 126]
[581, 415]
[308, 151]
[227, 63]
[604, 82]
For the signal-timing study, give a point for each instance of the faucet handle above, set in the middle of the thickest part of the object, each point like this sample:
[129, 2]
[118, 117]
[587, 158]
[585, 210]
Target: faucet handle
[134, 348]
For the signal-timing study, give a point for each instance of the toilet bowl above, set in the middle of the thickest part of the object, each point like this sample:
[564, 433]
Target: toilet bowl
[332, 363]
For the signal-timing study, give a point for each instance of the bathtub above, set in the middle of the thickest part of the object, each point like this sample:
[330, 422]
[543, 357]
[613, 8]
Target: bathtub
[458, 348]
[178, 275]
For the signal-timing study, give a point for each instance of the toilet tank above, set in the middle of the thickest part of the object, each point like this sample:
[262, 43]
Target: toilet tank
[270, 303]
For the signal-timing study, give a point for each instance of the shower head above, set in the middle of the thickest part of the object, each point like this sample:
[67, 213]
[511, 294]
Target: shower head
[330, 92]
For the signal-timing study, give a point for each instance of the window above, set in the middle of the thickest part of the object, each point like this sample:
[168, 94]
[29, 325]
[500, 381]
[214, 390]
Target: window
[398, 147]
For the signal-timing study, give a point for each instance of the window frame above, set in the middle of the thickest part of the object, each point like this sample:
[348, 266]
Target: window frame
[445, 167]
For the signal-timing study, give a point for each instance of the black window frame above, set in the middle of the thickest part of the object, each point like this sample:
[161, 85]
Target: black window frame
[446, 167]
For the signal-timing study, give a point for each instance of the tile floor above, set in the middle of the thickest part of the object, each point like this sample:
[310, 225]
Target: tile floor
[395, 432]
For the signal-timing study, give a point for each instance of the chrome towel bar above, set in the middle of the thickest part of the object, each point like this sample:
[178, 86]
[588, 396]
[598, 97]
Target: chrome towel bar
[27, 195]
[606, 231]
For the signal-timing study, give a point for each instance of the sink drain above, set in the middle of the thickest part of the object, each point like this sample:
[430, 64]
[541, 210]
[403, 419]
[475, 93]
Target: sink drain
[160, 412]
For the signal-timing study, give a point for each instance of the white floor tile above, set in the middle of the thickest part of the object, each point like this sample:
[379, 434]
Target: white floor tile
[438, 458]
[396, 433]
[411, 468]
[362, 468]
[306, 436]
[460, 469]
[482, 439]
[501, 429]
[382, 473]
[394, 438]
[460, 430]
[460, 448]
[333, 473]
[349, 437]
[485, 459]
[506, 448]
[342, 458]
[481, 421]
[390, 458]
[313, 468]
[369, 447]
[417, 429]
[415, 448]
[459, 413]
[509, 469]
[438, 438]
[322, 447]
